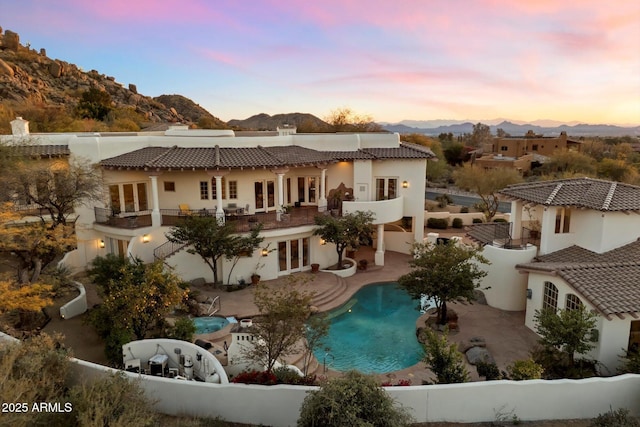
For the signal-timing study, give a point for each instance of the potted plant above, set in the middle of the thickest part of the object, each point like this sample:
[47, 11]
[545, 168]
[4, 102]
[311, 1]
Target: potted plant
[315, 267]
[255, 278]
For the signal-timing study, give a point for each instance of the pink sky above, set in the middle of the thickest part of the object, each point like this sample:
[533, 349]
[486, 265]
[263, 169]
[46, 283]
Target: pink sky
[394, 60]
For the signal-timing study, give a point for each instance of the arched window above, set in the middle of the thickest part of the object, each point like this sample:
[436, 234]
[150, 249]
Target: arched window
[550, 298]
[573, 302]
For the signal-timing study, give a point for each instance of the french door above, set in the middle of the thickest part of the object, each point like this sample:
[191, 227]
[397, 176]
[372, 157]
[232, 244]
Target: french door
[129, 197]
[265, 195]
[293, 255]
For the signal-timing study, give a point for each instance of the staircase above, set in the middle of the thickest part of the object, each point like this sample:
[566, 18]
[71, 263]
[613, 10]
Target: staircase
[167, 249]
[327, 300]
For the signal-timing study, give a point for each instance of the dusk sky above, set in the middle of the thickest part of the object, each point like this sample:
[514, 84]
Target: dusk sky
[399, 59]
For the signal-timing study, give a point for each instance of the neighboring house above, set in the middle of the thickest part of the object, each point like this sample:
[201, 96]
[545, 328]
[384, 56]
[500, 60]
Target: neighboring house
[152, 178]
[521, 151]
[570, 242]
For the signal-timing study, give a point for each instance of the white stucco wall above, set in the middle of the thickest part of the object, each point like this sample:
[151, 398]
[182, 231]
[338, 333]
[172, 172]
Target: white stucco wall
[280, 405]
[507, 287]
[613, 334]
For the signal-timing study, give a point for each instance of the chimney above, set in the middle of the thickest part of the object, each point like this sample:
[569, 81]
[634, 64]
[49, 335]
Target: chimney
[20, 127]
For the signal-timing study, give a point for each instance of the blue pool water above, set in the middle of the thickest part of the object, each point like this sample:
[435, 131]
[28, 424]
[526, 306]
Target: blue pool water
[206, 325]
[374, 333]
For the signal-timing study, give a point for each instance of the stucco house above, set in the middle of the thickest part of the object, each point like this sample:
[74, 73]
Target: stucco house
[570, 242]
[279, 179]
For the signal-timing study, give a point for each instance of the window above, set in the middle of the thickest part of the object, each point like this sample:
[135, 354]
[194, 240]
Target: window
[233, 189]
[573, 302]
[130, 197]
[563, 220]
[308, 189]
[169, 186]
[550, 298]
[386, 188]
[204, 190]
[534, 147]
[504, 148]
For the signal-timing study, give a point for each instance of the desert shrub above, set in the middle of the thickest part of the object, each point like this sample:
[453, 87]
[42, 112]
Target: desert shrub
[285, 375]
[630, 363]
[354, 399]
[438, 223]
[444, 200]
[464, 209]
[457, 223]
[33, 370]
[476, 221]
[444, 359]
[184, 329]
[525, 370]
[255, 377]
[488, 370]
[618, 418]
[111, 401]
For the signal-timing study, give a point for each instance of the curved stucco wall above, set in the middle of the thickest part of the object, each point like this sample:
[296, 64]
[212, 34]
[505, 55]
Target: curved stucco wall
[507, 287]
[384, 210]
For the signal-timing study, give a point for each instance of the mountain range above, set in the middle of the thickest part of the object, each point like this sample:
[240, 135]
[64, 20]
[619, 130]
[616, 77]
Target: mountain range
[550, 128]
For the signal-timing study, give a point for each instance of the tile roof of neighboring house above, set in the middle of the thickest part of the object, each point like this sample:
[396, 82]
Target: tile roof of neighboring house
[487, 233]
[588, 193]
[610, 280]
[222, 158]
[42, 150]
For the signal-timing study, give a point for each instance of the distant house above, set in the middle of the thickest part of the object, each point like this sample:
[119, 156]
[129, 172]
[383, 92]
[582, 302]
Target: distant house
[280, 179]
[570, 242]
[521, 151]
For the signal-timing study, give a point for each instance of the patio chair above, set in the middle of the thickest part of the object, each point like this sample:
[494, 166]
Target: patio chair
[184, 209]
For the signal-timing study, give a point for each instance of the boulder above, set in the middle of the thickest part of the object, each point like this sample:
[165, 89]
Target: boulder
[11, 40]
[55, 69]
[133, 88]
[463, 346]
[43, 51]
[5, 69]
[479, 354]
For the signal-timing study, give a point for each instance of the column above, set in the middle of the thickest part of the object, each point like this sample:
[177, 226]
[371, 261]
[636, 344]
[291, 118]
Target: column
[219, 209]
[379, 256]
[516, 219]
[156, 217]
[280, 195]
[322, 202]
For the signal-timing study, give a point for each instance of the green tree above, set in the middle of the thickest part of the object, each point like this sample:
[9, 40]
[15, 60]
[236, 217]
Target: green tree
[351, 400]
[454, 153]
[346, 120]
[568, 331]
[486, 184]
[445, 272]
[345, 231]
[212, 240]
[317, 330]
[565, 163]
[57, 187]
[94, 104]
[481, 135]
[444, 359]
[284, 311]
[135, 301]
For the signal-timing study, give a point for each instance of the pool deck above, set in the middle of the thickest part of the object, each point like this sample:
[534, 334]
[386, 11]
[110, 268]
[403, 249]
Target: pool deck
[506, 337]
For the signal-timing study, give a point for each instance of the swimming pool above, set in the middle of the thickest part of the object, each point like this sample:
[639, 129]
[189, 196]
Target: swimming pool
[206, 325]
[374, 333]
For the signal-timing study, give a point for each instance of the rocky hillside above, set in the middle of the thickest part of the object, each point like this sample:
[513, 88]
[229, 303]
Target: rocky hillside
[28, 76]
[303, 121]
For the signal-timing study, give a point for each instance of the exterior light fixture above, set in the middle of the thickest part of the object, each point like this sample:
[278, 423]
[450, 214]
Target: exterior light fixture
[405, 184]
[265, 252]
[101, 244]
[323, 242]
[145, 238]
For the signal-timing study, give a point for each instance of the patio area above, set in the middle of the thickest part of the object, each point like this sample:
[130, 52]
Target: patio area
[506, 337]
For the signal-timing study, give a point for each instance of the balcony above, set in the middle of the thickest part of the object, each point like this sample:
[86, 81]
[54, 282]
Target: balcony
[498, 234]
[170, 217]
[384, 210]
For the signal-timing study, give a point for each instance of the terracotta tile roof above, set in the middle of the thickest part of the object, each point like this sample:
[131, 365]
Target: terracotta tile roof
[610, 281]
[487, 233]
[216, 157]
[579, 192]
[41, 150]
